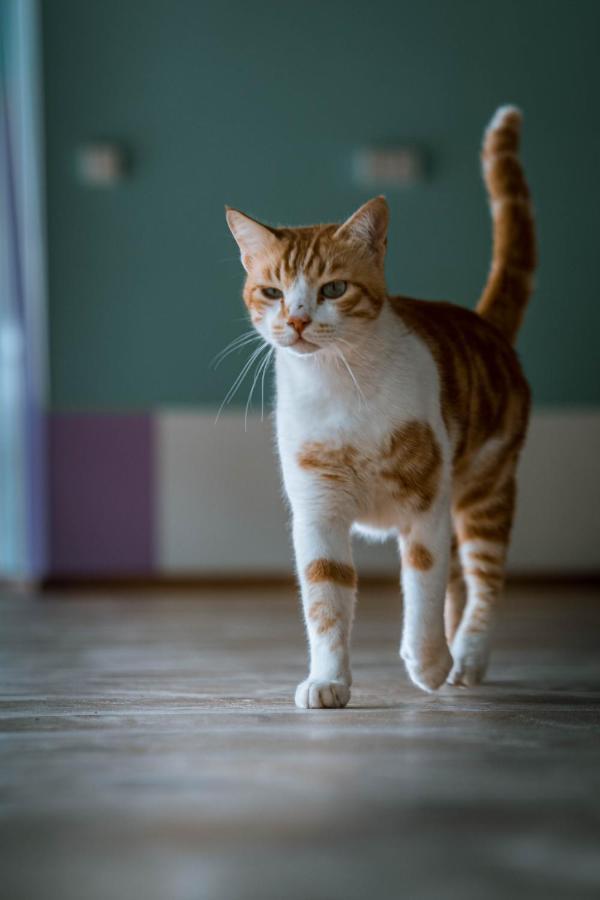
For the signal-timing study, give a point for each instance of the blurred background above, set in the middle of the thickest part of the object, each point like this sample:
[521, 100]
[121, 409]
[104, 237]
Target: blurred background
[125, 128]
[149, 743]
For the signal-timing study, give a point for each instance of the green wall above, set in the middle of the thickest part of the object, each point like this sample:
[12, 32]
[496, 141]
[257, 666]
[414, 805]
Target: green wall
[260, 104]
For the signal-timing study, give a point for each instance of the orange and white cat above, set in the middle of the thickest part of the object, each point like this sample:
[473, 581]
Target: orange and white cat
[397, 417]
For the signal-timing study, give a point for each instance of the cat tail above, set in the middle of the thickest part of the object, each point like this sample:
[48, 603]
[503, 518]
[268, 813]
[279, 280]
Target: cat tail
[510, 281]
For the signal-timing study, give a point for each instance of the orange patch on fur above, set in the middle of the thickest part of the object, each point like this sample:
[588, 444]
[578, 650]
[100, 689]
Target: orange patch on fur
[326, 618]
[409, 463]
[475, 531]
[412, 464]
[332, 463]
[490, 559]
[487, 577]
[483, 392]
[323, 616]
[419, 557]
[491, 519]
[327, 570]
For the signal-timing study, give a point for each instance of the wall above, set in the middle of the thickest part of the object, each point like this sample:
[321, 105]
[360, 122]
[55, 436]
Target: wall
[260, 105]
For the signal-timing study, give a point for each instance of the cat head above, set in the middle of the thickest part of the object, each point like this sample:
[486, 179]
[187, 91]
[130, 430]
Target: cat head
[309, 289]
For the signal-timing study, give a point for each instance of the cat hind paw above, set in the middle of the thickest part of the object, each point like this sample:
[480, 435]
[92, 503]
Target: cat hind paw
[470, 661]
[429, 674]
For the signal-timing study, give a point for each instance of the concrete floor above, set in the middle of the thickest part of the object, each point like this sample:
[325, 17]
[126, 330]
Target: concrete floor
[150, 749]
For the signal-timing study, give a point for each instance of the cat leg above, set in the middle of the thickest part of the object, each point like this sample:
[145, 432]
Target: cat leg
[483, 532]
[425, 555]
[328, 584]
[456, 593]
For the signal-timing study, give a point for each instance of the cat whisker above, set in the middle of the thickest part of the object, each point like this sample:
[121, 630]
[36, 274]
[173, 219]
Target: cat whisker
[240, 338]
[236, 344]
[256, 377]
[352, 376]
[236, 384]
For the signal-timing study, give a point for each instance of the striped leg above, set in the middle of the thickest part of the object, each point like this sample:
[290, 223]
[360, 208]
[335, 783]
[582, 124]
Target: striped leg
[483, 532]
[328, 584]
[456, 593]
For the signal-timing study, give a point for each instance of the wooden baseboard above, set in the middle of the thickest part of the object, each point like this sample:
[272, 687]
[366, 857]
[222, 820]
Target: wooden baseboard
[198, 582]
[192, 582]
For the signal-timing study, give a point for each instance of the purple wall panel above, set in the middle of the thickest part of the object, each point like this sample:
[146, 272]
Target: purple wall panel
[101, 494]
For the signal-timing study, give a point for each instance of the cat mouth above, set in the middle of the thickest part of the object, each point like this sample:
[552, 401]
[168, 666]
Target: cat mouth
[301, 345]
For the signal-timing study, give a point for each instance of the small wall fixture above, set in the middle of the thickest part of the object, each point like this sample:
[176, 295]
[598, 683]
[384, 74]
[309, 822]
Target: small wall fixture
[388, 167]
[101, 164]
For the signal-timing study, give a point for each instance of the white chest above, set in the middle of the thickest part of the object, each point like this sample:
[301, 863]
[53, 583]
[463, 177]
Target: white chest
[327, 403]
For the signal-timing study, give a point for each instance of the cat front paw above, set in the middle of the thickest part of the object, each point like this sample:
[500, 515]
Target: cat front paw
[471, 655]
[311, 694]
[428, 670]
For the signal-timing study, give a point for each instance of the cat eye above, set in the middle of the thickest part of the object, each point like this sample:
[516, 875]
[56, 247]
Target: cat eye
[272, 293]
[334, 289]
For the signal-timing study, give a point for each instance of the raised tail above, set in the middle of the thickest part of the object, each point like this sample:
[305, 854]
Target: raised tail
[510, 281]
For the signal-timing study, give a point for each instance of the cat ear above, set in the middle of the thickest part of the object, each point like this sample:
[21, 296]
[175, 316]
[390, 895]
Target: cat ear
[252, 238]
[368, 225]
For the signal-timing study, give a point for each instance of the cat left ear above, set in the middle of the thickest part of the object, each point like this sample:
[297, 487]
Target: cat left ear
[368, 225]
[252, 237]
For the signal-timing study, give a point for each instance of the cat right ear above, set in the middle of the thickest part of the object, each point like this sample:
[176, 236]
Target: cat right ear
[253, 238]
[368, 225]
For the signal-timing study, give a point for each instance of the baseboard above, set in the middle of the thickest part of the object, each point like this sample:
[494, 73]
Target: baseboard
[221, 509]
[195, 583]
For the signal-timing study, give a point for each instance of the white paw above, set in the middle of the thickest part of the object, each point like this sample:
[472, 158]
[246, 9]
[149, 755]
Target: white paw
[322, 694]
[429, 671]
[471, 654]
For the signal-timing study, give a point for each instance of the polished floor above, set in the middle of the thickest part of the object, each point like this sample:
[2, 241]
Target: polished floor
[150, 749]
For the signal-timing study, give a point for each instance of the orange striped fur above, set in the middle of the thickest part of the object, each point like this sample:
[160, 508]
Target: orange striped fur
[510, 282]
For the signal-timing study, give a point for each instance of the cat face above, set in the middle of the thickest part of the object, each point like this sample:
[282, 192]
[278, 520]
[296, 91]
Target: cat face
[317, 288]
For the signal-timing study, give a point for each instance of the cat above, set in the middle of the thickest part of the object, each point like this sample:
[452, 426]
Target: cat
[397, 417]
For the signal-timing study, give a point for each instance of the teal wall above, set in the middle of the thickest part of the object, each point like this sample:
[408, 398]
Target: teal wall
[259, 104]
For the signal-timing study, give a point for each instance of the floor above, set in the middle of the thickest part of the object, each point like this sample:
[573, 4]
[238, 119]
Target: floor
[150, 749]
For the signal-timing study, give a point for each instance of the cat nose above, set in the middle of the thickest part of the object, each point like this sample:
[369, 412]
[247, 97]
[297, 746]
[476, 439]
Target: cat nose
[299, 322]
